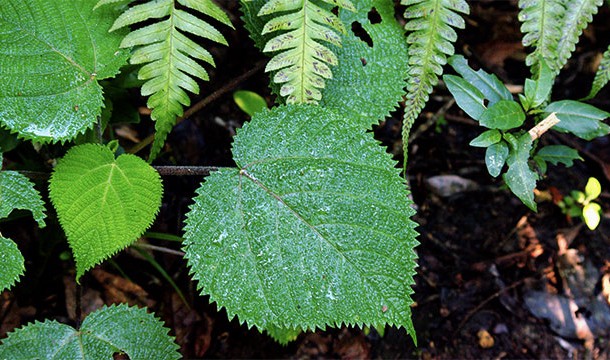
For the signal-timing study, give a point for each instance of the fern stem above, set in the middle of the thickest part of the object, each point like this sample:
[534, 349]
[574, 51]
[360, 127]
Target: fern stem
[204, 102]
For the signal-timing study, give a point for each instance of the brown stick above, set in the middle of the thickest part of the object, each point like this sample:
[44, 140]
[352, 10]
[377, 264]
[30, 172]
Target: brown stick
[544, 126]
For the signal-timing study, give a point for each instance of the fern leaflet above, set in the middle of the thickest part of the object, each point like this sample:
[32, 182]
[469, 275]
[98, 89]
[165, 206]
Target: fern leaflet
[542, 23]
[602, 75]
[169, 55]
[577, 16]
[302, 61]
[431, 23]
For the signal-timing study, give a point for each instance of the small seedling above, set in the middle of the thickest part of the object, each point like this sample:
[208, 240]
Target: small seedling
[249, 101]
[580, 204]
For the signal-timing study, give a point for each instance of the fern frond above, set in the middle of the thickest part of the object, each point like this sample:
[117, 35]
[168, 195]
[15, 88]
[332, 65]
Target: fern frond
[579, 13]
[168, 56]
[431, 24]
[602, 76]
[542, 22]
[302, 63]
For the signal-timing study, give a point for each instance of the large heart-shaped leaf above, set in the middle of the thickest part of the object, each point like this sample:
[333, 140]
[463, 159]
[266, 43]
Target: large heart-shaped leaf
[105, 332]
[311, 229]
[103, 204]
[67, 49]
[12, 263]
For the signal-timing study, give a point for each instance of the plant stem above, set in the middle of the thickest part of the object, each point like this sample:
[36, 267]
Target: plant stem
[544, 126]
[185, 170]
[159, 249]
[162, 170]
[162, 236]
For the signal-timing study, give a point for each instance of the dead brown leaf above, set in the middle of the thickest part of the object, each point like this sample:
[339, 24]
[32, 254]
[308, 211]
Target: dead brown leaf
[121, 290]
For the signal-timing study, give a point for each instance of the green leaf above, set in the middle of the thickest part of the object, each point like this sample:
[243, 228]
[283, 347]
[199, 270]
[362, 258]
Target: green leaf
[489, 84]
[520, 178]
[578, 14]
[8, 141]
[503, 115]
[468, 97]
[582, 120]
[103, 204]
[601, 76]
[302, 59]
[18, 192]
[368, 82]
[296, 235]
[591, 215]
[110, 330]
[538, 91]
[487, 138]
[542, 28]
[593, 189]
[12, 263]
[168, 56]
[556, 154]
[495, 158]
[283, 336]
[67, 49]
[431, 25]
[249, 101]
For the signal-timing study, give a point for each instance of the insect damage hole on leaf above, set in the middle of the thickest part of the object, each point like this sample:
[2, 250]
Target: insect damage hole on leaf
[361, 33]
[374, 16]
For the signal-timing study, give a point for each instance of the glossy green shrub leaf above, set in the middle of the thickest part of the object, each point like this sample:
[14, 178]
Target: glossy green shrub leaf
[468, 97]
[503, 115]
[488, 84]
[487, 138]
[520, 178]
[67, 49]
[296, 235]
[538, 91]
[18, 192]
[368, 82]
[12, 263]
[249, 101]
[169, 58]
[558, 154]
[591, 214]
[105, 332]
[580, 119]
[103, 204]
[495, 158]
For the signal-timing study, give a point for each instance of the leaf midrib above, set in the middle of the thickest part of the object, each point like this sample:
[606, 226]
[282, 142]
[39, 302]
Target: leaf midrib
[51, 47]
[362, 274]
